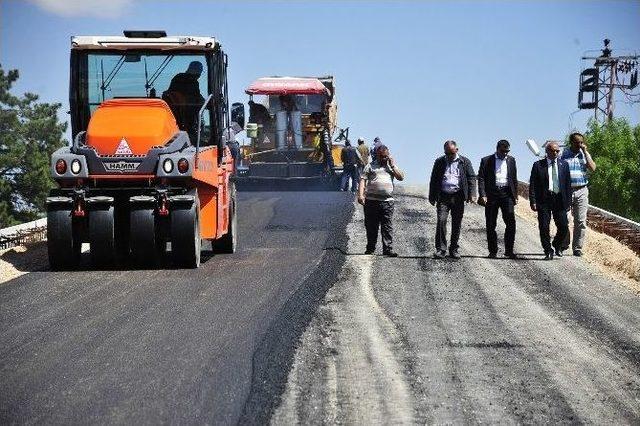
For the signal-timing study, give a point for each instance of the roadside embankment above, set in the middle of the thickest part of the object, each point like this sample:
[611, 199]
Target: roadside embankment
[609, 255]
[19, 260]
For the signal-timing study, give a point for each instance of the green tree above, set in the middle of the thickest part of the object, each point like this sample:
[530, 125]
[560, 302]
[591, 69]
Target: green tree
[615, 185]
[29, 133]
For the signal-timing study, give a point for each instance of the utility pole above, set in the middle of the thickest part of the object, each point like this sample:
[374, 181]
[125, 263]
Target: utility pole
[599, 82]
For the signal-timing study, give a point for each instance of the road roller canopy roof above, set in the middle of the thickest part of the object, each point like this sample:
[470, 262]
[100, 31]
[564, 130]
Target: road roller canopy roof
[156, 40]
[287, 86]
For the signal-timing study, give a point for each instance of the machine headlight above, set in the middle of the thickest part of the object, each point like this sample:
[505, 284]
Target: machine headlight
[167, 165]
[183, 165]
[76, 166]
[61, 167]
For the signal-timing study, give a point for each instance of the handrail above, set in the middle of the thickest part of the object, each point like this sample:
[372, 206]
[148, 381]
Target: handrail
[204, 105]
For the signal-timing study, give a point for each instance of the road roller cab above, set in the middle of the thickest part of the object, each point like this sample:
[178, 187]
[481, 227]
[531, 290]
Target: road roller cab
[149, 163]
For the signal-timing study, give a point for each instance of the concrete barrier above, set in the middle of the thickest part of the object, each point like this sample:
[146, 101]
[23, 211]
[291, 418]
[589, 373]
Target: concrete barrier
[23, 233]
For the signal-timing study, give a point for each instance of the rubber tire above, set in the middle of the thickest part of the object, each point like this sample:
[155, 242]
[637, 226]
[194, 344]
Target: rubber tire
[102, 236]
[63, 242]
[185, 236]
[228, 242]
[121, 222]
[146, 248]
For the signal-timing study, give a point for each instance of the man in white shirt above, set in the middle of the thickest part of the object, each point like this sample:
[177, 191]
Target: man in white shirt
[498, 189]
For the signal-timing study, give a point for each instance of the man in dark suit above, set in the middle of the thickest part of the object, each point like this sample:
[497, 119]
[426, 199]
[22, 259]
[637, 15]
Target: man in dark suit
[453, 182]
[498, 188]
[550, 194]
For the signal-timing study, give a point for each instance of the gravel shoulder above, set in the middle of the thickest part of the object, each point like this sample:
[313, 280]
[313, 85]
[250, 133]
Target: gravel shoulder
[415, 340]
[17, 261]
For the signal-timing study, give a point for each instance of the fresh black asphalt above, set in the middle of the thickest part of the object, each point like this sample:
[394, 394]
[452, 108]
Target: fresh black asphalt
[212, 345]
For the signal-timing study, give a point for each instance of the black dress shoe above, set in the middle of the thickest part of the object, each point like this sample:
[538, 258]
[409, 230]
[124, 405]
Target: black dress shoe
[548, 256]
[492, 255]
[454, 254]
[439, 255]
[559, 252]
[577, 253]
[511, 255]
[390, 253]
[369, 251]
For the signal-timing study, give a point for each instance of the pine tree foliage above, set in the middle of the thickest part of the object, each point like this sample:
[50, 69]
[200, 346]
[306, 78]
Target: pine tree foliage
[29, 133]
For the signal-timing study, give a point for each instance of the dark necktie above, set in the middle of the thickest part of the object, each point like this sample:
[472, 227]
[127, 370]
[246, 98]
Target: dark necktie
[554, 174]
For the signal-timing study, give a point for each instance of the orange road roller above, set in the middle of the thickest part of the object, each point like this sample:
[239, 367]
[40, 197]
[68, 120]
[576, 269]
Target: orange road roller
[150, 165]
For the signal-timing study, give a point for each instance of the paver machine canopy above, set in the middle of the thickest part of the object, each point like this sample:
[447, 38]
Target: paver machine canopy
[149, 163]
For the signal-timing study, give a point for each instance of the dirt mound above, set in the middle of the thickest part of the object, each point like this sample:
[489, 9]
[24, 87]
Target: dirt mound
[20, 260]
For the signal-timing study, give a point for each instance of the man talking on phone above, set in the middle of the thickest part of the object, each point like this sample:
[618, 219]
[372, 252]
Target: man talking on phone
[375, 193]
[580, 164]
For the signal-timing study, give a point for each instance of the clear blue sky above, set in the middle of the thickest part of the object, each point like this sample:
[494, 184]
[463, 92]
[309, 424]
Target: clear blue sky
[414, 74]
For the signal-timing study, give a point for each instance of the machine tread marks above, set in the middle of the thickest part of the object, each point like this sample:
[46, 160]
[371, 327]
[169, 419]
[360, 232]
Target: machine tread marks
[102, 235]
[185, 233]
[63, 242]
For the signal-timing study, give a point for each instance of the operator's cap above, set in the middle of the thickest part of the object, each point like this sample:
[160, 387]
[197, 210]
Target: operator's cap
[377, 139]
[195, 67]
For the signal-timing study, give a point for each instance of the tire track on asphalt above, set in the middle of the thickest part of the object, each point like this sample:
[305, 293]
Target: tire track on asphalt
[497, 375]
[471, 341]
[274, 355]
[362, 378]
[475, 370]
[565, 353]
[382, 336]
[567, 369]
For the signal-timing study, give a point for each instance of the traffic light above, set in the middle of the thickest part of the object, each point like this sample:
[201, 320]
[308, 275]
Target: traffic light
[589, 80]
[634, 80]
[589, 87]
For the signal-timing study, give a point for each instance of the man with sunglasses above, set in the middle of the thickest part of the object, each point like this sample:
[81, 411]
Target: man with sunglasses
[550, 195]
[498, 189]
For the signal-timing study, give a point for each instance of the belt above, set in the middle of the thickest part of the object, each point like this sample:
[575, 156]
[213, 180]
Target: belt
[579, 187]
